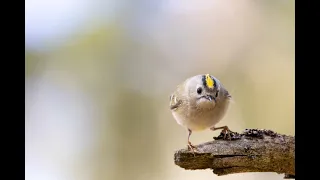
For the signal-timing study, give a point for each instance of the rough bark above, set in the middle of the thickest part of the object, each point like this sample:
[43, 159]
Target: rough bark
[251, 151]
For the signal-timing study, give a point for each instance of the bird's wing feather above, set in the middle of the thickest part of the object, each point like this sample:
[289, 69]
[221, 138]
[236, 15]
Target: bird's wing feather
[174, 102]
[176, 98]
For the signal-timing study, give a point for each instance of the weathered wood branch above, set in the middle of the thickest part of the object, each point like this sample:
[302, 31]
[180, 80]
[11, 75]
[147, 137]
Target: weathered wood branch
[252, 151]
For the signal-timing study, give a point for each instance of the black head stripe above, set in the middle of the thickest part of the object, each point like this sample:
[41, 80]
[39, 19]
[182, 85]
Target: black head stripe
[209, 81]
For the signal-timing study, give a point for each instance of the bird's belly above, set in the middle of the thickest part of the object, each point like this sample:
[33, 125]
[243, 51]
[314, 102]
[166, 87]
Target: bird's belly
[202, 121]
[199, 122]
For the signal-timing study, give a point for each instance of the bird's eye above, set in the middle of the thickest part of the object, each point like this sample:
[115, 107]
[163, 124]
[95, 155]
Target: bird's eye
[199, 90]
[217, 93]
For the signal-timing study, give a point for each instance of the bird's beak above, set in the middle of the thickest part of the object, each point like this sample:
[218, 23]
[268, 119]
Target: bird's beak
[210, 98]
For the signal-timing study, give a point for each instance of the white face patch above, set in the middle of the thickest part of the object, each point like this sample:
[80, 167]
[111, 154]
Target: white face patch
[205, 104]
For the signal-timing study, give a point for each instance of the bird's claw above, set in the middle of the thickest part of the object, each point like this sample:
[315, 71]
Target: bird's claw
[192, 148]
[225, 132]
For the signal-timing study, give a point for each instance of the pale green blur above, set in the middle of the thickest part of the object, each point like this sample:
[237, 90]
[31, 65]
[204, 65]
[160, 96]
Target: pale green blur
[97, 107]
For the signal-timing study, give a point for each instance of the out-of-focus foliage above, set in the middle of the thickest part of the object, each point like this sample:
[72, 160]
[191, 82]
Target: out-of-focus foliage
[97, 104]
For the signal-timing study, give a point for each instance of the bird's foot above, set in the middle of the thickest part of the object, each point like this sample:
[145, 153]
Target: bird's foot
[192, 148]
[225, 131]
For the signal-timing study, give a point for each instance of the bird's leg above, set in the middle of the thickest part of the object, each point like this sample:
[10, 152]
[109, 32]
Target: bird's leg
[225, 131]
[190, 146]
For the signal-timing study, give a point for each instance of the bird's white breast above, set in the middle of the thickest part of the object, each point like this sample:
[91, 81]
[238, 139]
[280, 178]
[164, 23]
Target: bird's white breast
[197, 120]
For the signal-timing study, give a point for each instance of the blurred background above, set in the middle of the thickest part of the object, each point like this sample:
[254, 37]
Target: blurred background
[99, 74]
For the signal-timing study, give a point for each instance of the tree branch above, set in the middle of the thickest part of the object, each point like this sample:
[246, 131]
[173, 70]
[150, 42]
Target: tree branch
[252, 151]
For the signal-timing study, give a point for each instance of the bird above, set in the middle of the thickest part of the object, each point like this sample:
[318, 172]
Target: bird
[199, 103]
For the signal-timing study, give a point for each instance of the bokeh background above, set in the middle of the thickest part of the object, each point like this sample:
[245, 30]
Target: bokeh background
[99, 74]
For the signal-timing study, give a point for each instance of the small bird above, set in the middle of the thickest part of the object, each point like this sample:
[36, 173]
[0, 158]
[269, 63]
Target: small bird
[199, 103]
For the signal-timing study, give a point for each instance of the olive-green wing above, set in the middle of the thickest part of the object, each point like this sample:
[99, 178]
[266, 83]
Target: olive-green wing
[174, 102]
[176, 98]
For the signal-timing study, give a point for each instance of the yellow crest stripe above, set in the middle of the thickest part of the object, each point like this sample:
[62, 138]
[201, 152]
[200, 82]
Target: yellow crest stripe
[209, 81]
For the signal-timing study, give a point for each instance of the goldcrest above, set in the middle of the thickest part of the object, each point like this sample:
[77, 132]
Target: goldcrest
[199, 103]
